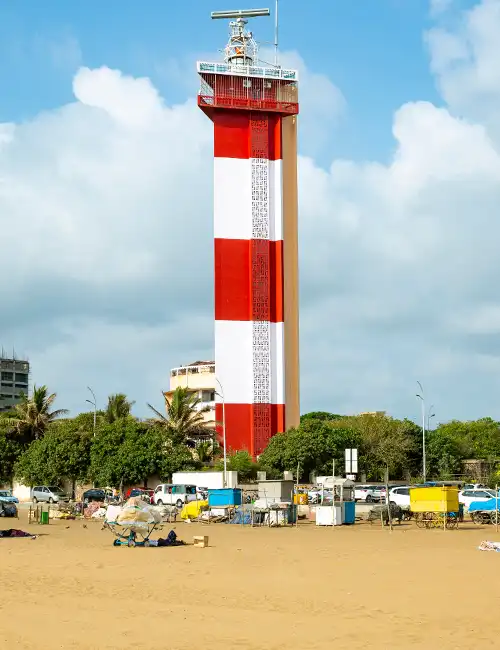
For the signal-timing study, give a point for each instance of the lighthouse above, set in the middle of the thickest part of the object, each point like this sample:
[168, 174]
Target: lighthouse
[253, 106]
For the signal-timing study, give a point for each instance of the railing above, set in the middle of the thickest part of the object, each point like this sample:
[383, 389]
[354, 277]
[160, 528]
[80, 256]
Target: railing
[268, 72]
[192, 370]
[226, 101]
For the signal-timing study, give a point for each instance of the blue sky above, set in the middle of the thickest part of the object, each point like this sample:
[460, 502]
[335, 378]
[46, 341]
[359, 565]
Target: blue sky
[372, 49]
[105, 162]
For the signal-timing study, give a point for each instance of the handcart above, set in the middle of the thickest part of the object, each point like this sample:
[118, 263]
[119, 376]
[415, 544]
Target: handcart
[485, 512]
[133, 524]
[436, 507]
[130, 535]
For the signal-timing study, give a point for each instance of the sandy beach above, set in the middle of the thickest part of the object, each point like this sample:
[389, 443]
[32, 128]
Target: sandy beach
[292, 588]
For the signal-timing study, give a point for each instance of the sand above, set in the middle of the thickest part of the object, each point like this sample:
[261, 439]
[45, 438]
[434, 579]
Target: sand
[307, 587]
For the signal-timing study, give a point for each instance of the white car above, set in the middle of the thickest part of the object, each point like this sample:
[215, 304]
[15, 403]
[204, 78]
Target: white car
[369, 493]
[466, 497]
[400, 496]
[315, 494]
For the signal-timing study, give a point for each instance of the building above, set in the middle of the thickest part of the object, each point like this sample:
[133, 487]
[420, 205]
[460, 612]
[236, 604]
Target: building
[14, 380]
[199, 377]
[253, 107]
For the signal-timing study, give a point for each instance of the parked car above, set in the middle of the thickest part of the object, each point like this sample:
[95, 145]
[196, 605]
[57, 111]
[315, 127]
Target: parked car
[6, 496]
[378, 494]
[203, 492]
[49, 494]
[145, 493]
[466, 497]
[8, 509]
[315, 494]
[400, 495]
[176, 495]
[94, 494]
[369, 493]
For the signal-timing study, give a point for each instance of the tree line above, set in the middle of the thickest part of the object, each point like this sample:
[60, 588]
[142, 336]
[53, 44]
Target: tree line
[384, 443]
[40, 444]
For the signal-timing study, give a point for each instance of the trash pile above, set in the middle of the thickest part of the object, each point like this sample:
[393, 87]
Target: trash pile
[489, 546]
[135, 512]
[94, 510]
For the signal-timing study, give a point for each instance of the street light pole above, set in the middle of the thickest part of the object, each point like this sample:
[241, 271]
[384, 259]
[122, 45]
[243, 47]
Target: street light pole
[94, 404]
[221, 395]
[429, 416]
[421, 398]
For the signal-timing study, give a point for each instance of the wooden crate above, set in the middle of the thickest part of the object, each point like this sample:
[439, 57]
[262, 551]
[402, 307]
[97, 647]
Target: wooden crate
[200, 540]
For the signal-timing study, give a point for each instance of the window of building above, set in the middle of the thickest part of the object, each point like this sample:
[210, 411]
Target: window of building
[21, 378]
[208, 396]
[7, 376]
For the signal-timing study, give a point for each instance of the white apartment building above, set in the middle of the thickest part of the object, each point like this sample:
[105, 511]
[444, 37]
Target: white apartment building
[199, 377]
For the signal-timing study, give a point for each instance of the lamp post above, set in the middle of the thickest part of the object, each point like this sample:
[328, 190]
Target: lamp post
[221, 395]
[430, 415]
[420, 396]
[94, 404]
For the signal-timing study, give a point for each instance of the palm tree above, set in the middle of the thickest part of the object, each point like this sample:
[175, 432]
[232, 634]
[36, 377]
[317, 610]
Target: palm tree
[207, 450]
[118, 407]
[184, 419]
[32, 415]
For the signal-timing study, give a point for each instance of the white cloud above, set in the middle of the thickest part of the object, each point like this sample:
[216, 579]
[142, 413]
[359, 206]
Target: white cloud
[107, 224]
[438, 7]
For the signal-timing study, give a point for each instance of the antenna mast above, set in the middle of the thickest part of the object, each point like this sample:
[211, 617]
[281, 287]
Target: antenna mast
[276, 35]
[242, 48]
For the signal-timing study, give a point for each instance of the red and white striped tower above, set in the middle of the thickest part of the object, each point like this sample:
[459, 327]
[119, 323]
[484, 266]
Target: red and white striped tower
[253, 108]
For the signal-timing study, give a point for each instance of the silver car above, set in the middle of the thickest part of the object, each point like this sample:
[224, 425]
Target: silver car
[49, 494]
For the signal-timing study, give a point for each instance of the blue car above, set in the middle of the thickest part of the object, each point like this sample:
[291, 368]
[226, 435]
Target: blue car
[6, 496]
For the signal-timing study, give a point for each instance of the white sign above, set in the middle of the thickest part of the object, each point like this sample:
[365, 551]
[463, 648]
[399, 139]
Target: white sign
[351, 461]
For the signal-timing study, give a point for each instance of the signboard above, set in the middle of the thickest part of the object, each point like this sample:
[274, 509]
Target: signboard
[351, 461]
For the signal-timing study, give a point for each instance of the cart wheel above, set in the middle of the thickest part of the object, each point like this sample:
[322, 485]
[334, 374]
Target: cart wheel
[146, 542]
[131, 543]
[479, 518]
[421, 523]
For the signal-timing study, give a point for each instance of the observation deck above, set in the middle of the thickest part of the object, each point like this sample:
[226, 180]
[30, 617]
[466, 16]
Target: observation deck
[240, 86]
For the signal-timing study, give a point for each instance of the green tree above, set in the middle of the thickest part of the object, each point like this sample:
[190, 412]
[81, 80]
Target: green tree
[481, 438]
[445, 453]
[10, 450]
[183, 419]
[383, 443]
[128, 452]
[241, 462]
[32, 415]
[319, 415]
[62, 453]
[118, 407]
[313, 446]
[207, 450]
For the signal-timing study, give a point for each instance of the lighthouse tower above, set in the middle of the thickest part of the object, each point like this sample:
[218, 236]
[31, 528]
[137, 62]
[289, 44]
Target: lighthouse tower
[253, 107]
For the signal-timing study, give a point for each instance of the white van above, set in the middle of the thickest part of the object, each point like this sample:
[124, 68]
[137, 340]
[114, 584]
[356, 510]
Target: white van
[175, 495]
